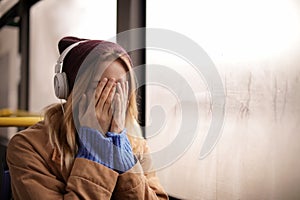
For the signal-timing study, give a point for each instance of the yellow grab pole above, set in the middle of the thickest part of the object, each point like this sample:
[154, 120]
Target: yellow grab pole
[19, 121]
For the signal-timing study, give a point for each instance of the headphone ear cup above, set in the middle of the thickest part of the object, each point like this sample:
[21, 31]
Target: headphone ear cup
[61, 87]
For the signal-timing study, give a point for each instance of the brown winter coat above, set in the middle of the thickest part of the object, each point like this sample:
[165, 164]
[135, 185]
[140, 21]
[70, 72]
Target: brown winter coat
[36, 173]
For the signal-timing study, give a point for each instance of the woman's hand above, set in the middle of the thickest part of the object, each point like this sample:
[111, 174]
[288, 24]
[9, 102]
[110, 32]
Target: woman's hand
[104, 96]
[98, 113]
[119, 107]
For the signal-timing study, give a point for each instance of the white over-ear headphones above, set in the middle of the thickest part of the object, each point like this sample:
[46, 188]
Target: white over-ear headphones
[61, 86]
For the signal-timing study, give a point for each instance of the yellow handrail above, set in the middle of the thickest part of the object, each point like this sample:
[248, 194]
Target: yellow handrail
[18, 121]
[6, 112]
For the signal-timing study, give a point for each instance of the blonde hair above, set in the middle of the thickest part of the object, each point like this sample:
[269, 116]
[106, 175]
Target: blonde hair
[62, 125]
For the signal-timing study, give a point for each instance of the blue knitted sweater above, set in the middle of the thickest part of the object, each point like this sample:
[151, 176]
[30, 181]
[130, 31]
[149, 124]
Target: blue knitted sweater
[113, 151]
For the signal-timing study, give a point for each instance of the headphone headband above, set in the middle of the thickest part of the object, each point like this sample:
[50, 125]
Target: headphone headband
[60, 60]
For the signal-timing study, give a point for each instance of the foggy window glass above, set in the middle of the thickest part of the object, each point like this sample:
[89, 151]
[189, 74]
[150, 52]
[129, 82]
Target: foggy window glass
[254, 48]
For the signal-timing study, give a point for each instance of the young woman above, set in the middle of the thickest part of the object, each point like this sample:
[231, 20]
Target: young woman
[90, 147]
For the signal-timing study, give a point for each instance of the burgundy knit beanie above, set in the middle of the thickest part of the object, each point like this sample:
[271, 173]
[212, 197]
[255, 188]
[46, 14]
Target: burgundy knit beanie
[78, 54]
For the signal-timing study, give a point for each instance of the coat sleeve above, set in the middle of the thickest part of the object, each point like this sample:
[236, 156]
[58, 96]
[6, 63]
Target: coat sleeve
[141, 181]
[31, 176]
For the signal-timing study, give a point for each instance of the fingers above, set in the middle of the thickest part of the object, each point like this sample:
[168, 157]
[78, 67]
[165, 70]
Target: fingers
[126, 90]
[110, 103]
[122, 89]
[104, 91]
[82, 106]
[118, 119]
[99, 89]
[107, 107]
[117, 106]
